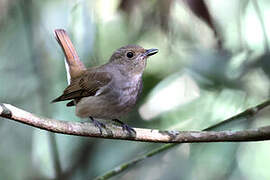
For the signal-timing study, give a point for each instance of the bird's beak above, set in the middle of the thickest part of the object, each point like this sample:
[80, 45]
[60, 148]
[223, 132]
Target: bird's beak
[150, 52]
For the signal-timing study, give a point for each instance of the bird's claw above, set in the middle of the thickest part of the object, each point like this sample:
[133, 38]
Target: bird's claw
[125, 127]
[98, 124]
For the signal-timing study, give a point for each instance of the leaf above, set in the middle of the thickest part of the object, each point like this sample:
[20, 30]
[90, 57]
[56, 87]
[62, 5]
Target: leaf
[200, 9]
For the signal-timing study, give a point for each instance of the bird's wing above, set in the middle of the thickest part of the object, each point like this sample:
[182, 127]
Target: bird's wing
[86, 85]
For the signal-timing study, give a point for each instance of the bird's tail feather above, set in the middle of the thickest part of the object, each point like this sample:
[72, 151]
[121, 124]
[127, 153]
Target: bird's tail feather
[75, 65]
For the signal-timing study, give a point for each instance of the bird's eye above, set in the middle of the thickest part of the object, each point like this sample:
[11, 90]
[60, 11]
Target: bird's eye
[130, 54]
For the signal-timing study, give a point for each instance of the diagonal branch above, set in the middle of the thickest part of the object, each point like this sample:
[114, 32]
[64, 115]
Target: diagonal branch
[146, 135]
[247, 114]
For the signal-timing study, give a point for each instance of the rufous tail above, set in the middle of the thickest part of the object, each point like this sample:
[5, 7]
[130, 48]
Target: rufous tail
[75, 65]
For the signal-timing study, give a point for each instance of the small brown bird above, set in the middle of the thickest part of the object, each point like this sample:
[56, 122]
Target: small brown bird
[110, 90]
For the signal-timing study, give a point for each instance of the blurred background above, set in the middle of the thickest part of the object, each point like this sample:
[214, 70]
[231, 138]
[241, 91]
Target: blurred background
[213, 63]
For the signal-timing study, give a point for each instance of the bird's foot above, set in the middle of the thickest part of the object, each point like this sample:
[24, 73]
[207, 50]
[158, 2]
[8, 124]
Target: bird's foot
[98, 124]
[129, 129]
[125, 127]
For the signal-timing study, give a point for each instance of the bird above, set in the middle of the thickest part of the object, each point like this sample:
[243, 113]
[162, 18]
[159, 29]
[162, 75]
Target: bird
[109, 91]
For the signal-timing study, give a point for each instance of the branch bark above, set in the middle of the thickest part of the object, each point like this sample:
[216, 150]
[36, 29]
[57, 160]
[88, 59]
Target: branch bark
[247, 114]
[145, 135]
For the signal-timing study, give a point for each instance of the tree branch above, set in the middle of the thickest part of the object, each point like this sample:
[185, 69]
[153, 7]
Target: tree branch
[146, 135]
[247, 114]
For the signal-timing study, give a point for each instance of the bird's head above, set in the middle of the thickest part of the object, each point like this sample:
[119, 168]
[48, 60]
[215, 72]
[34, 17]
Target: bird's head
[131, 58]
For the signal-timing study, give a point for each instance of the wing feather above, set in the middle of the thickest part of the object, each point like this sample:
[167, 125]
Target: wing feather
[86, 85]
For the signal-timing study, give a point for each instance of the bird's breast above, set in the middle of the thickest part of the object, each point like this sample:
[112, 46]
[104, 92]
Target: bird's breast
[117, 99]
[128, 91]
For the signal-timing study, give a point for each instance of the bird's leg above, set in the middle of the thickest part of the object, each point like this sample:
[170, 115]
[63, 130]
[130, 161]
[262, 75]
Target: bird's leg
[125, 126]
[99, 125]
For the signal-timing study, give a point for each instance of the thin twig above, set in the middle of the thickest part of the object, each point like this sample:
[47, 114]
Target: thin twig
[145, 135]
[247, 114]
